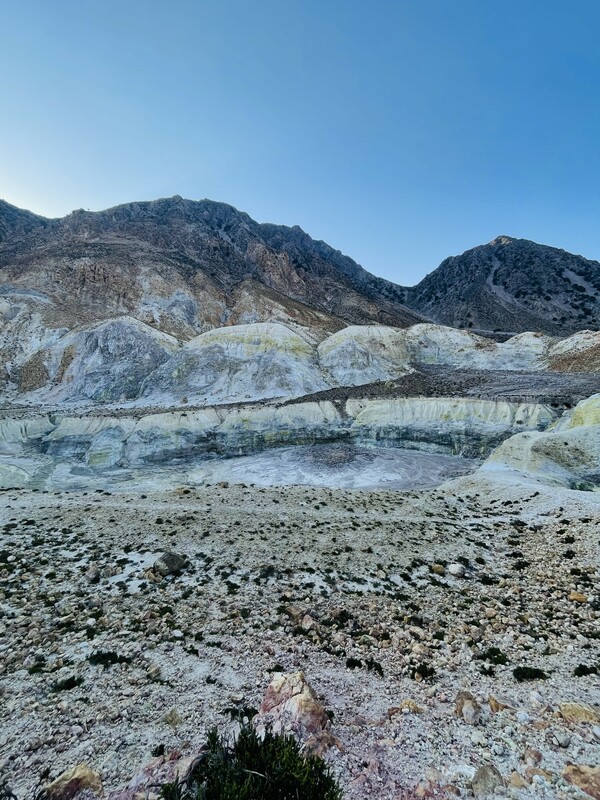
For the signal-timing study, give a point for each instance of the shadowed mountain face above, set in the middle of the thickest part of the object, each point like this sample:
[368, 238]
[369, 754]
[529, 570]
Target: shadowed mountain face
[512, 285]
[16, 222]
[184, 267]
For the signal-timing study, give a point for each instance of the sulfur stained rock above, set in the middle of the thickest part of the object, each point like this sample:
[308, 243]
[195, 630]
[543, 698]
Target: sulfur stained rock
[579, 712]
[72, 782]
[577, 597]
[585, 778]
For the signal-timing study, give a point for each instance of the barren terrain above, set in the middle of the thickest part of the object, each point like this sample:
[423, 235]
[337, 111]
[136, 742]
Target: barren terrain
[102, 661]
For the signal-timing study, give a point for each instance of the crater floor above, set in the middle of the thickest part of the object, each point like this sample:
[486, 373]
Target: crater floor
[353, 587]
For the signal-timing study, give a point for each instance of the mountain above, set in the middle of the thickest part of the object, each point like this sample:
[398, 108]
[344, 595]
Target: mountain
[15, 221]
[512, 285]
[182, 267]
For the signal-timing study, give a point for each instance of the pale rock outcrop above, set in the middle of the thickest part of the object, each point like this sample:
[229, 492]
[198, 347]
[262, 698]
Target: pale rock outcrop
[525, 351]
[71, 783]
[33, 448]
[577, 353]
[566, 455]
[364, 354]
[238, 364]
[23, 329]
[103, 363]
[290, 705]
[17, 431]
[586, 412]
[105, 442]
[177, 434]
[124, 360]
[98, 441]
[436, 344]
[462, 425]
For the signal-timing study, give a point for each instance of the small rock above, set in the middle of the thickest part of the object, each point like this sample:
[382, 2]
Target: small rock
[478, 739]
[487, 779]
[153, 672]
[499, 703]
[467, 708]
[536, 699]
[577, 597]
[562, 739]
[457, 570]
[537, 775]
[517, 781]
[532, 757]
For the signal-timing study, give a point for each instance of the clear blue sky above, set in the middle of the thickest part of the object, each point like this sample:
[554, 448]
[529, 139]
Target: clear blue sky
[398, 131]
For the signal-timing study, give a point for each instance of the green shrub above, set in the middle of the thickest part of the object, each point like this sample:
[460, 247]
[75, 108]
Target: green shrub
[251, 768]
[529, 674]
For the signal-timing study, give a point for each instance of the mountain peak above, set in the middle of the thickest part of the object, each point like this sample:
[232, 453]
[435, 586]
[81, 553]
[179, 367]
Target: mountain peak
[502, 289]
[502, 239]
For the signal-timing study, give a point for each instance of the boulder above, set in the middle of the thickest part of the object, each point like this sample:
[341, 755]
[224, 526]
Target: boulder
[68, 785]
[486, 780]
[579, 712]
[169, 563]
[290, 705]
[585, 778]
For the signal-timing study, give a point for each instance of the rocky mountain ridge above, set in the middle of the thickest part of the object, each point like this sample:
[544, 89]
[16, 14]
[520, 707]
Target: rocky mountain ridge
[512, 285]
[184, 267]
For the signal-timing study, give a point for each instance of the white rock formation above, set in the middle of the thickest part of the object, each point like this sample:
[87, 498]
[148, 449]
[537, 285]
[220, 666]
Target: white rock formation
[460, 425]
[125, 361]
[568, 454]
[103, 363]
[240, 363]
[364, 354]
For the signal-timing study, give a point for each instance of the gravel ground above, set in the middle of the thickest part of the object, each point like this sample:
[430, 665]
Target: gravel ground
[102, 661]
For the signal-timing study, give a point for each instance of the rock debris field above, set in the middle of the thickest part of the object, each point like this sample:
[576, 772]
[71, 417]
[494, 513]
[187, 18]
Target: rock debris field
[452, 636]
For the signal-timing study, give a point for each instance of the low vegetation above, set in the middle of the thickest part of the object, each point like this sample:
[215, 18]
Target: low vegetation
[251, 768]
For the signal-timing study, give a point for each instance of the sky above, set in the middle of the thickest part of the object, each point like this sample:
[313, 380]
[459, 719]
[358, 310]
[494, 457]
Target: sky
[400, 132]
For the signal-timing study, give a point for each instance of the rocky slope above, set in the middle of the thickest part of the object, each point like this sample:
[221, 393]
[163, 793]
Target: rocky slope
[184, 267]
[453, 635]
[180, 266]
[512, 285]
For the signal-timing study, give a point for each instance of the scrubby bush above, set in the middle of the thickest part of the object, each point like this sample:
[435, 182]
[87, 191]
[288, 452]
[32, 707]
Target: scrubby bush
[251, 768]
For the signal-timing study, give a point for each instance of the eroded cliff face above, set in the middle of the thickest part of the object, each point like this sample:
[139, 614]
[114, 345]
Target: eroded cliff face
[124, 360]
[46, 447]
[566, 454]
[240, 363]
